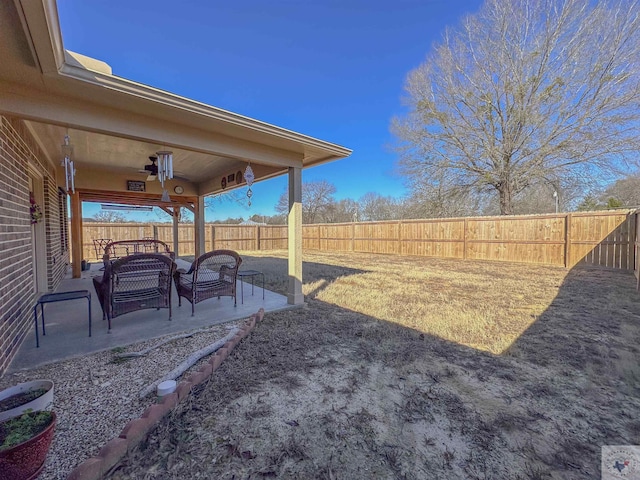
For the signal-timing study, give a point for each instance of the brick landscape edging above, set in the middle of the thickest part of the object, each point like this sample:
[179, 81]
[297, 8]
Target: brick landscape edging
[137, 429]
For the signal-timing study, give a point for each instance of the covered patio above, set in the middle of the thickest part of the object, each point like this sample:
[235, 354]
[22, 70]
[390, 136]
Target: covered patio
[67, 325]
[72, 131]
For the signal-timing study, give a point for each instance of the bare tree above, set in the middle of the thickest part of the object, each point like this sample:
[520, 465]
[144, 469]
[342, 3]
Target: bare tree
[109, 217]
[342, 211]
[316, 198]
[542, 196]
[438, 203]
[625, 192]
[374, 206]
[433, 195]
[525, 91]
[276, 220]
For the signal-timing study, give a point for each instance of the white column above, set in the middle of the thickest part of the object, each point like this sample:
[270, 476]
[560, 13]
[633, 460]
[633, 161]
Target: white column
[198, 220]
[294, 292]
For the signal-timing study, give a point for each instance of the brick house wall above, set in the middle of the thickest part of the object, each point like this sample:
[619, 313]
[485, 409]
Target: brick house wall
[18, 149]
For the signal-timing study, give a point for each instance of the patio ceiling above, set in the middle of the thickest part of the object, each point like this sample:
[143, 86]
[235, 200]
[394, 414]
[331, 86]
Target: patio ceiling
[127, 156]
[115, 124]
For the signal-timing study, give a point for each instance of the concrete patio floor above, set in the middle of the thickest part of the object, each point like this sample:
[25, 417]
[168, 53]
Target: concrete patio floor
[67, 323]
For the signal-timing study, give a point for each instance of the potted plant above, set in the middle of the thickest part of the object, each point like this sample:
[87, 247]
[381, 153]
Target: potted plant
[24, 443]
[35, 395]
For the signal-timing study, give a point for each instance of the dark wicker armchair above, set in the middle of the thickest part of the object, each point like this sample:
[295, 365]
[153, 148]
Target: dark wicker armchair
[135, 282]
[213, 274]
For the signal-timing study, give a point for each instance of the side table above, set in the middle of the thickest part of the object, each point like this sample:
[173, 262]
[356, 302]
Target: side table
[58, 297]
[252, 274]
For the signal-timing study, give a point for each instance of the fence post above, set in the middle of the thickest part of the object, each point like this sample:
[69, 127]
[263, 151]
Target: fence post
[399, 237]
[155, 232]
[353, 237]
[319, 240]
[567, 240]
[464, 239]
[636, 272]
[631, 249]
[633, 239]
[257, 237]
[213, 237]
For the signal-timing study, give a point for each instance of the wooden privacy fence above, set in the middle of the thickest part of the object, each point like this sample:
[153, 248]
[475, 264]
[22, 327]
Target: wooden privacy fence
[606, 238]
[596, 238]
[235, 237]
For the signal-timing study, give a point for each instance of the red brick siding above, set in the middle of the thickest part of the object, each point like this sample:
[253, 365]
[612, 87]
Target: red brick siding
[17, 296]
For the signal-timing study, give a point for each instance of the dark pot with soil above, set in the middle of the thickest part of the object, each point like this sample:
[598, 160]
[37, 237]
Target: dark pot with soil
[35, 395]
[24, 443]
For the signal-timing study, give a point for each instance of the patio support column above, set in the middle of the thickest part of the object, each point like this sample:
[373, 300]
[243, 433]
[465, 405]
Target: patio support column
[294, 223]
[176, 218]
[198, 220]
[76, 235]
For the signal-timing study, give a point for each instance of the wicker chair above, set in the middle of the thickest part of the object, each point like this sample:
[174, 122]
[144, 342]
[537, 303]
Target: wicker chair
[99, 244]
[135, 282]
[123, 248]
[213, 274]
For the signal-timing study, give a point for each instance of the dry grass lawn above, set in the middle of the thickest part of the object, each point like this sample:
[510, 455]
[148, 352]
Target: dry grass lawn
[416, 368]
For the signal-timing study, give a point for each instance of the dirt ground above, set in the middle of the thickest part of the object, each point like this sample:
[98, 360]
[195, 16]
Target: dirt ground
[356, 386]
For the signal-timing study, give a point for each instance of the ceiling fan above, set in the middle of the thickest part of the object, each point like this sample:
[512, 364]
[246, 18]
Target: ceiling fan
[152, 169]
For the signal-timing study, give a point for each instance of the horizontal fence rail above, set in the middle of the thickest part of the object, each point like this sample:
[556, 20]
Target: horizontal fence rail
[608, 239]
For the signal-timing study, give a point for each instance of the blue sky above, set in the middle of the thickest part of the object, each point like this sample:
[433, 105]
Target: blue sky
[333, 70]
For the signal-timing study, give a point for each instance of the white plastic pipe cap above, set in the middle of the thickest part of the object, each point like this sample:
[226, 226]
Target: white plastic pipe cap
[166, 387]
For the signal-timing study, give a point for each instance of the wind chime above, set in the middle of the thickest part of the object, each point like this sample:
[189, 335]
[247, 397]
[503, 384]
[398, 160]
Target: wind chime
[249, 177]
[165, 171]
[67, 163]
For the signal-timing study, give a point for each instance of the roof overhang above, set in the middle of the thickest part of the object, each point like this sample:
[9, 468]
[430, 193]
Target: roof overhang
[115, 124]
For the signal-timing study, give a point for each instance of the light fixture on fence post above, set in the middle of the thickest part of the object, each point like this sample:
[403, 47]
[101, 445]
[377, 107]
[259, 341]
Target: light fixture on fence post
[67, 163]
[165, 171]
[249, 178]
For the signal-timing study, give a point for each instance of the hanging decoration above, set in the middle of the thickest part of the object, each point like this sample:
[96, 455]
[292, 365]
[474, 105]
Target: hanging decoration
[36, 211]
[165, 171]
[67, 163]
[165, 196]
[249, 177]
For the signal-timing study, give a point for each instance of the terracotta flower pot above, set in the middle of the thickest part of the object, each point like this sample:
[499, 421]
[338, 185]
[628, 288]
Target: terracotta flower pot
[26, 460]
